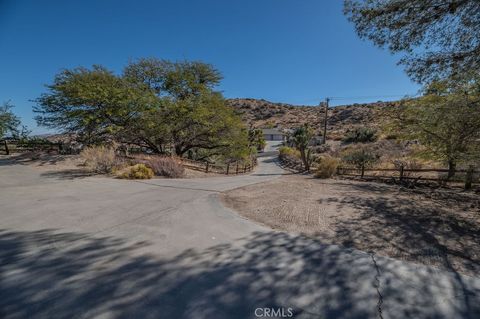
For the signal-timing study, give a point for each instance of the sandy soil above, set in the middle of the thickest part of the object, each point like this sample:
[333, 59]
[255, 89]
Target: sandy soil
[436, 228]
[191, 173]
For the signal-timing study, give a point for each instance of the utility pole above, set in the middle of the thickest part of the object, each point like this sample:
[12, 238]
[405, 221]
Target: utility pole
[326, 119]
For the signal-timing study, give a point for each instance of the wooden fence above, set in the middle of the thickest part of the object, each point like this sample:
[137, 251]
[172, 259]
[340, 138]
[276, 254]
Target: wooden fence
[227, 169]
[467, 177]
[13, 146]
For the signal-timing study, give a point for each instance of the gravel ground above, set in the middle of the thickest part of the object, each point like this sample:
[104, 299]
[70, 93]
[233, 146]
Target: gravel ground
[422, 226]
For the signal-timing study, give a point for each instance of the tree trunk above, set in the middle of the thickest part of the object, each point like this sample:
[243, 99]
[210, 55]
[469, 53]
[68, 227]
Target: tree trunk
[7, 151]
[179, 151]
[469, 178]
[304, 159]
[451, 168]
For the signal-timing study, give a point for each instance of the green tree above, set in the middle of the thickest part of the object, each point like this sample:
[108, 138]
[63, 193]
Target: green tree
[193, 115]
[203, 122]
[446, 121]
[93, 103]
[301, 138]
[9, 122]
[440, 38]
[178, 80]
[165, 106]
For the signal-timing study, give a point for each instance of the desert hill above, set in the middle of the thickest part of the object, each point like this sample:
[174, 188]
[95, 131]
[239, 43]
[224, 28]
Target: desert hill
[261, 113]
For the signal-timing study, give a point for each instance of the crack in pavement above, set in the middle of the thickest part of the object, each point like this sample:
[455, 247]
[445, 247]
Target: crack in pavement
[377, 286]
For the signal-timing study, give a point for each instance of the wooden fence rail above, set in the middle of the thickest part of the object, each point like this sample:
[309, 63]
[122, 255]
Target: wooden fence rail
[469, 176]
[13, 146]
[227, 169]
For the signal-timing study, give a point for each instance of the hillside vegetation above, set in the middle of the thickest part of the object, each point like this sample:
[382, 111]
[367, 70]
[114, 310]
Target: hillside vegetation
[344, 124]
[341, 119]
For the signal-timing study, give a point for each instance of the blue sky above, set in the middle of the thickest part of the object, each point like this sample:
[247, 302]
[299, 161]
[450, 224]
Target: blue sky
[281, 50]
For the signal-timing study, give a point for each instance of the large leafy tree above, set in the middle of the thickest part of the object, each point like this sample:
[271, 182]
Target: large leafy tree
[9, 122]
[446, 121]
[177, 80]
[93, 103]
[193, 115]
[440, 38]
[202, 122]
[168, 107]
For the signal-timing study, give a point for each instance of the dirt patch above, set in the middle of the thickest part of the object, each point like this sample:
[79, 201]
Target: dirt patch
[442, 230]
[191, 173]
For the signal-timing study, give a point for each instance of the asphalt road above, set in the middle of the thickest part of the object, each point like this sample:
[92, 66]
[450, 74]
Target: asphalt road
[94, 247]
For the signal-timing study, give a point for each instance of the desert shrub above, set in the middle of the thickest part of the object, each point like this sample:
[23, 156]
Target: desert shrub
[291, 157]
[165, 166]
[286, 152]
[391, 136]
[360, 158]
[361, 135]
[100, 159]
[137, 171]
[326, 167]
[323, 148]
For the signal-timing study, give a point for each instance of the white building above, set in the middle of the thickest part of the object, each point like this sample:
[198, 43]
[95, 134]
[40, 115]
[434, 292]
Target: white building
[273, 134]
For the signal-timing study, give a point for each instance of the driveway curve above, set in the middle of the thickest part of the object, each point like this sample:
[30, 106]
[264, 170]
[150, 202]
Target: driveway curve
[167, 248]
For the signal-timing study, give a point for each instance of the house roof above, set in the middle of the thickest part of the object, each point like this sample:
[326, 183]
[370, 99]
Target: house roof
[272, 131]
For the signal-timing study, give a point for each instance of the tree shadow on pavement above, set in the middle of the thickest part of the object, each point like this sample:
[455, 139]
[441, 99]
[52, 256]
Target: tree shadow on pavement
[410, 229]
[69, 174]
[47, 274]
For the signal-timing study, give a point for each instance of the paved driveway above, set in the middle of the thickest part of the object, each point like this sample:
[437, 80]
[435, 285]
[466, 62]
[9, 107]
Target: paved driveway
[103, 248]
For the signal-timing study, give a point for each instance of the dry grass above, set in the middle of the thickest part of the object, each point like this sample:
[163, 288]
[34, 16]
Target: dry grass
[165, 166]
[326, 167]
[432, 228]
[100, 159]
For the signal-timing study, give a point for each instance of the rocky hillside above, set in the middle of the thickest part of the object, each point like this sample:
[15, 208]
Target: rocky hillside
[262, 113]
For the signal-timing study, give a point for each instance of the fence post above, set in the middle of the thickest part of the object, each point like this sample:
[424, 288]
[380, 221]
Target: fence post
[401, 172]
[469, 178]
[237, 169]
[244, 168]
[363, 170]
[228, 167]
[206, 168]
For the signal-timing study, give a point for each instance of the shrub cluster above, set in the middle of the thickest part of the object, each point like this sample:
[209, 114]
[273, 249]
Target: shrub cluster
[137, 171]
[165, 166]
[361, 135]
[360, 157]
[100, 159]
[288, 152]
[326, 167]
